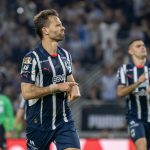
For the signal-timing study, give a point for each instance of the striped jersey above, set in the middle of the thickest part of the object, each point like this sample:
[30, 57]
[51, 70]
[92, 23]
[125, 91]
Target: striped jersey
[138, 102]
[42, 69]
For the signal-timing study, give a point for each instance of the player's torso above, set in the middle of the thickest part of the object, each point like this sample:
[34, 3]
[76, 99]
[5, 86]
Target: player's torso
[51, 110]
[138, 101]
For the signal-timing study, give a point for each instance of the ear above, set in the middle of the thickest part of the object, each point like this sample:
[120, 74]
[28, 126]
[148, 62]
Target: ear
[130, 52]
[45, 31]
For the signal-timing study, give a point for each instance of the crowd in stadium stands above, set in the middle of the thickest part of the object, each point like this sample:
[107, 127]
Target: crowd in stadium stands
[97, 33]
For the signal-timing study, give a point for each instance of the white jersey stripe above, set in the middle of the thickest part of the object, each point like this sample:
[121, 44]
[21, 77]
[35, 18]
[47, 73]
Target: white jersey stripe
[67, 55]
[122, 75]
[64, 72]
[33, 70]
[40, 69]
[125, 70]
[136, 91]
[54, 95]
[147, 95]
[69, 60]
[41, 83]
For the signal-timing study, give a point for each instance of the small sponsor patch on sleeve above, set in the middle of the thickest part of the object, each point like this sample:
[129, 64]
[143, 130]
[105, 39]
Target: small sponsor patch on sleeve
[27, 60]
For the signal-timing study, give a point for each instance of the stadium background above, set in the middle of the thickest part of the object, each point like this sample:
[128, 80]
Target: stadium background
[97, 33]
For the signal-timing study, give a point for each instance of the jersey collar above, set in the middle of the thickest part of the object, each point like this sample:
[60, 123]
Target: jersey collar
[139, 66]
[46, 53]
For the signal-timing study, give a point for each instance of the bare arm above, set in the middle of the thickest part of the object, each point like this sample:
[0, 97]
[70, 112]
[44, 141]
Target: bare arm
[123, 90]
[31, 91]
[19, 117]
[74, 92]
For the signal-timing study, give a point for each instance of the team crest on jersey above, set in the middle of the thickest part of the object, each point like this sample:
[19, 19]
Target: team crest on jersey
[68, 65]
[27, 60]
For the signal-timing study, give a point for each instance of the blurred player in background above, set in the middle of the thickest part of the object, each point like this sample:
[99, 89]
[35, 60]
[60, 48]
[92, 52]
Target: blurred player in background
[6, 120]
[47, 86]
[135, 85]
[20, 115]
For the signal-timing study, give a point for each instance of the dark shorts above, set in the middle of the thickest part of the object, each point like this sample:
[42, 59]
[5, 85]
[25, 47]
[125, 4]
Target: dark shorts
[2, 137]
[139, 129]
[65, 136]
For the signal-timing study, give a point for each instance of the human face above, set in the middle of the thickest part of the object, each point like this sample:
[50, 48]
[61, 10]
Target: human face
[55, 30]
[138, 50]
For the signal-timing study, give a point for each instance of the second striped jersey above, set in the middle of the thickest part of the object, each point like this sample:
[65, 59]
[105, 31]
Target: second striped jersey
[42, 69]
[138, 102]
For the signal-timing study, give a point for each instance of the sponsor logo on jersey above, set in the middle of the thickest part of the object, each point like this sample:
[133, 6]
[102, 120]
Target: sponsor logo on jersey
[59, 78]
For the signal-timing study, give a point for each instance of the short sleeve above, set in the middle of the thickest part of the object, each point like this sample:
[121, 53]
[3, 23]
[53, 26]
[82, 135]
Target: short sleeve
[121, 76]
[29, 69]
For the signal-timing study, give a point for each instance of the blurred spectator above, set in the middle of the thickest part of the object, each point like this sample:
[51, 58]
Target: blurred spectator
[108, 84]
[108, 29]
[94, 93]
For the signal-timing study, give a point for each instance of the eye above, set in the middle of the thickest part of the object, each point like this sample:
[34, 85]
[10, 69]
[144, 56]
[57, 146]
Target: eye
[59, 25]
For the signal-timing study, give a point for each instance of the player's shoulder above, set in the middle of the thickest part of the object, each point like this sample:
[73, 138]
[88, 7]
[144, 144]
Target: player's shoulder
[31, 53]
[29, 57]
[63, 51]
[126, 65]
[148, 64]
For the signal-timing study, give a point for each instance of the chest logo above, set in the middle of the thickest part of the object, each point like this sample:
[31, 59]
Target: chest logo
[59, 78]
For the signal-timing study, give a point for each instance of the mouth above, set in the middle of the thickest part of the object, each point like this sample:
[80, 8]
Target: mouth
[63, 32]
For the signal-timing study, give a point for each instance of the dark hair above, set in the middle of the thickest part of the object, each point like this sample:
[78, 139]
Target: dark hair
[134, 40]
[41, 20]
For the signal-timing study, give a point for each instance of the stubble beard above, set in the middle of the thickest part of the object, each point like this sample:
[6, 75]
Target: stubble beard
[59, 39]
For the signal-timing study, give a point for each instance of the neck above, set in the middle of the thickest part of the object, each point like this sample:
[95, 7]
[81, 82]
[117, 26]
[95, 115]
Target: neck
[139, 62]
[50, 46]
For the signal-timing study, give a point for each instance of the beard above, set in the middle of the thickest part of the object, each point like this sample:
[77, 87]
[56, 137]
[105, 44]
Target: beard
[58, 38]
[144, 55]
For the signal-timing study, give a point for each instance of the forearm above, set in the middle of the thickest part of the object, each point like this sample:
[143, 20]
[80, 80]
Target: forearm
[124, 91]
[33, 91]
[75, 90]
[19, 117]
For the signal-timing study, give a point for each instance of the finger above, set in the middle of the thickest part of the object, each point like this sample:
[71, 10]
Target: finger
[72, 84]
[69, 96]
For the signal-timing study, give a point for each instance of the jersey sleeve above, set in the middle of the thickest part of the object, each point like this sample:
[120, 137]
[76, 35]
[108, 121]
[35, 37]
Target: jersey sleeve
[69, 65]
[29, 69]
[121, 76]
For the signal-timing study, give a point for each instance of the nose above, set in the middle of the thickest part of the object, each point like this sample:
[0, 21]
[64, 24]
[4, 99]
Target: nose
[63, 27]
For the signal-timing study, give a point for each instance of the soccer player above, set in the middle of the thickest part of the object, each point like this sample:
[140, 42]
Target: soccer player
[6, 120]
[134, 84]
[47, 86]
[20, 114]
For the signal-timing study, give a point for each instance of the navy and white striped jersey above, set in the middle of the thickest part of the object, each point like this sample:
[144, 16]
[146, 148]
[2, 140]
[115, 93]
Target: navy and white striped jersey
[42, 69]
[138, 102]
